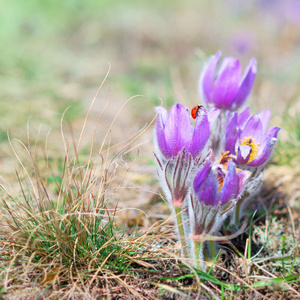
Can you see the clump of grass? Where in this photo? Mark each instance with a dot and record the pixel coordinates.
(73, 227)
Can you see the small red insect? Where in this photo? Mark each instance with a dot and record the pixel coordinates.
(195, 110)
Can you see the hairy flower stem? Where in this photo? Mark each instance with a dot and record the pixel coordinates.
(237, 214)
(212, 249)
(181, 231)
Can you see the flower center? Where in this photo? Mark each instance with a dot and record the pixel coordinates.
(250, 141)
(223, 160)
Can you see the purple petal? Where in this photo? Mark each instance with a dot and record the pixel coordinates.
(230, 185)
(243, 154)
(265, 155)
(208, 191)
(272, 133)
(253, 128)
(212, 115)
(243, 117)
(267, 148)
(201, 134)
(242, 178)
(201, 175)
(178, 128)
(162, 115)
(245, 85)
(207, 77)
(265, 117)
(231, 134)
(227, 83)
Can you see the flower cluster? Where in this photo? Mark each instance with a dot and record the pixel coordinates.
(209, 171)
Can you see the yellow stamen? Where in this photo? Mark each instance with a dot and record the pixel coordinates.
(250, 141)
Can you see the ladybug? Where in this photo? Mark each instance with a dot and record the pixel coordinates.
(195, 110)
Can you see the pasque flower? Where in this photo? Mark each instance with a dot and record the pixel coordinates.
(248, 140)
(216, 189)
(227, 90)
(215, 186)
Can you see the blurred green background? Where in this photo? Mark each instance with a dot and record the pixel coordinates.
(55, 53)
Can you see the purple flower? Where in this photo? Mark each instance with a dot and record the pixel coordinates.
(227, 90)
(174, 131)
(243, 41)
(217, 188)
(181, 149)
(248, 139)
(213, 185)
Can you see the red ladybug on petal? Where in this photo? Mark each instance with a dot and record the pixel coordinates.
(194, 111)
